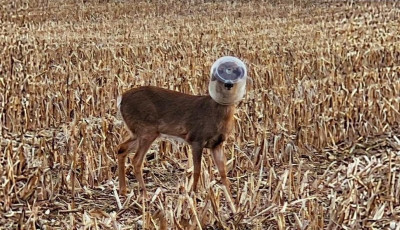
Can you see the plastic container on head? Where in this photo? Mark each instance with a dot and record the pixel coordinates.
(228, 80)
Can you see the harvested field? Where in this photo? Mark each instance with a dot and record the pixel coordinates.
(317, 139)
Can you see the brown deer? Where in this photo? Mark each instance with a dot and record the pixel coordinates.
(149, 112)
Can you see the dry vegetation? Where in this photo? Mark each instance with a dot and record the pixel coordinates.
(317, 140)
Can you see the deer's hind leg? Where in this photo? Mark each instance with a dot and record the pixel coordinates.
(128, 146)
(145, 142)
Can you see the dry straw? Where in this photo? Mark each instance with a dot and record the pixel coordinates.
(317, 140)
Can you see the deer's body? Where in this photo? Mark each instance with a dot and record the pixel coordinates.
(149, 112)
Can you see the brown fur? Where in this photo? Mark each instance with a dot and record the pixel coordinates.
(150, 111)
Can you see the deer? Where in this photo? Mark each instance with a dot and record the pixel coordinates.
(203, 122)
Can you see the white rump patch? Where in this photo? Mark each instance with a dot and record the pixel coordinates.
(119, 115)
(119, 99)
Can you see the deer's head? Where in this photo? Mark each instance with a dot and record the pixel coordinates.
(228, 80)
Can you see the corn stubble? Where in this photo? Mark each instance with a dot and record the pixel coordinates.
(317, 140)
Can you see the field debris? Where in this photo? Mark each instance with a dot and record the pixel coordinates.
(316, 143)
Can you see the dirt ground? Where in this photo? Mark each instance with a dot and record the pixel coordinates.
(316, 143)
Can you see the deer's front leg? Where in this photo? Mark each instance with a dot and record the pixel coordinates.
(220, 161)
(197, 151)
